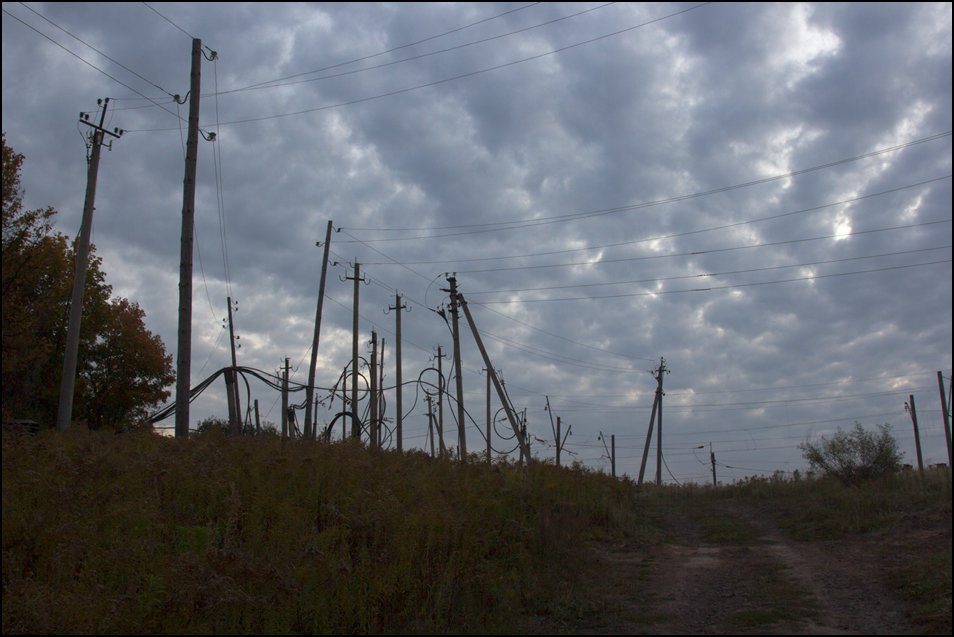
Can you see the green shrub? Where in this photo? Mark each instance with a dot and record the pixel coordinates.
(855, 456)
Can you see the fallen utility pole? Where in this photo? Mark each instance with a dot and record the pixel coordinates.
(68, 380)
(311, 428)
(524, 447)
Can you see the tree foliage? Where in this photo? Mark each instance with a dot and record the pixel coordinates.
(856, 455)
(122, 368)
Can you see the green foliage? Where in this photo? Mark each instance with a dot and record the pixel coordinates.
(122, 369)
(855, 456)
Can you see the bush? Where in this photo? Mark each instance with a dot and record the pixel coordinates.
(855, 456)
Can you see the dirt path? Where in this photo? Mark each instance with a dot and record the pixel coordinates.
(763, 583)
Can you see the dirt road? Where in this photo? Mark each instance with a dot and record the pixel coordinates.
(753, 580)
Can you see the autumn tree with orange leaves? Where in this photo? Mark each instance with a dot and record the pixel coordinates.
(123, 369)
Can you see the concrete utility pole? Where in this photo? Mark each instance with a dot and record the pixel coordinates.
(946, 414)
(64, 414)
(312, 431)
(397, 307)
(355, 424)
(917, 436)
(461, 431)
(184, 351)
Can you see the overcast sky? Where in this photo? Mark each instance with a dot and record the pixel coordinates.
(759, 194)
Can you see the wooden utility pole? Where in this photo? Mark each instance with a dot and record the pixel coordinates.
(488, 414)
(397, 307)
(521, 437)
(613, 453)
(311, 428)
(430, 423)
(440, 401)
(285, 400)
(461, 430)
(649, 436)
(917, 436)
(659, 379)
(235, 423)
(64, 414)
(258, 423)
(355, 424)
(184, 351)
(373, 404)
(945, 413)
(712, 460)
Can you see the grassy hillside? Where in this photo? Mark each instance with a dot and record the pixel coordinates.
(138, 533)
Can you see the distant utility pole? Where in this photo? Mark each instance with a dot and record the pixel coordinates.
(659, 393)
(236, 424)
(917, 436)
(461, 431)
(184, 351)
(355, 424)
(440, 400)
(656, 412)
(285, 401)
(397, 307)
(68, 380)
(373, 393)
(311, 429)
(946, 414)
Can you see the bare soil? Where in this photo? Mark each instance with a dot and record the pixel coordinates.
(766, 584)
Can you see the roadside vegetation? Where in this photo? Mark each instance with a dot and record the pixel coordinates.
(139, 533)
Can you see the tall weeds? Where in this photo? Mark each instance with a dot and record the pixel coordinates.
(139, 533)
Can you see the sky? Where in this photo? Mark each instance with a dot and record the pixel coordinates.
(756, 196)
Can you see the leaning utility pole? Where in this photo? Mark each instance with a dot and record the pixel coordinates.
(311, 432)
(649, 437)
(397, 307)
(184, 351)
(68, 380)
(521, 438)
(461, 432)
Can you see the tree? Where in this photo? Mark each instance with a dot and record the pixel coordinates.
(855, 456)
(122, 368)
